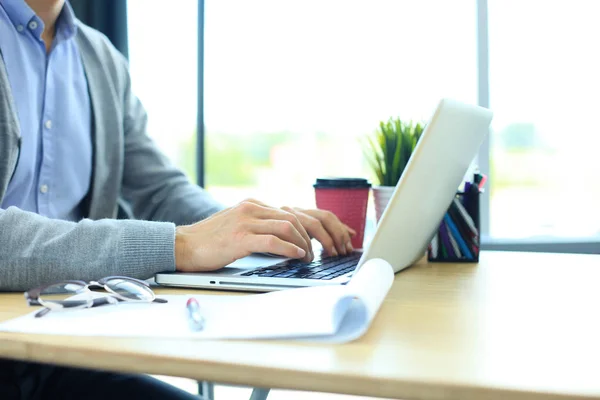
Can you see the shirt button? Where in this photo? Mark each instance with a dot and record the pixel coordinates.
(33, 25)
(20, 28)
(48, 124)
(44, 188)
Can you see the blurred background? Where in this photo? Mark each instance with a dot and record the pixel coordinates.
(288, 87)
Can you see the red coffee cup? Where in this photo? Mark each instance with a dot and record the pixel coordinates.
(347, 198)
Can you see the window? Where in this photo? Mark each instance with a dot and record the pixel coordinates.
(544, 85)
(163, 54)
(291, 86)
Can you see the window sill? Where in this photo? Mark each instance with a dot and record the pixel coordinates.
(584, 245)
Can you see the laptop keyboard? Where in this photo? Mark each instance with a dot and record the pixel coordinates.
(322, 267)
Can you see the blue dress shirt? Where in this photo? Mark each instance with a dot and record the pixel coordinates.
(53, 106)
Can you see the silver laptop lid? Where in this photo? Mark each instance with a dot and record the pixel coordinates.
(429, 182)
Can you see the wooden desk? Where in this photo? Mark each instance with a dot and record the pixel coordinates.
(515, 326)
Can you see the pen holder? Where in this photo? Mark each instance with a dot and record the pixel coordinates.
(458, 236)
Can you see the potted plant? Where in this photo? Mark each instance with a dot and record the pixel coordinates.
(387, 151)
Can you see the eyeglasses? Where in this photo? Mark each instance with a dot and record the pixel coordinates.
(59, 295)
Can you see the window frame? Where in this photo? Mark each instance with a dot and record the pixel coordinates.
(200, 134)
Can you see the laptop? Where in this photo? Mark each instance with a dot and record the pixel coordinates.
(422, 196)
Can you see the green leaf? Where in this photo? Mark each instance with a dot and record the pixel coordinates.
(389, 148)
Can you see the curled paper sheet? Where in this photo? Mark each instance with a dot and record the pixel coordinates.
(336, 313)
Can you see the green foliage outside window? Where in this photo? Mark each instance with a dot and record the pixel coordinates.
(233, 160)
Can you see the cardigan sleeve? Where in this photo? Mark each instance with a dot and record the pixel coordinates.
(37, 250)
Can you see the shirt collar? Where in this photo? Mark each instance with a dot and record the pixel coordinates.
(21, 14)
(66, 25)
(18, 11)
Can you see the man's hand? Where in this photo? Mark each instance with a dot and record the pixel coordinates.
(253, 227)
(324, 226)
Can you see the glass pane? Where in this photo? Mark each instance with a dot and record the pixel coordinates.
(290, 86)
(544, 85)
(163, 54)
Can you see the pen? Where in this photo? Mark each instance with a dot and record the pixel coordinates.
(195, 318)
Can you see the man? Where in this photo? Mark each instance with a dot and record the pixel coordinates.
(73, 155)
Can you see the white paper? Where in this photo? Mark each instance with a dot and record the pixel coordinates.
(325, 313)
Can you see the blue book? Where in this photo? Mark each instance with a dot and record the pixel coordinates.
(464, 249)
(444, 234)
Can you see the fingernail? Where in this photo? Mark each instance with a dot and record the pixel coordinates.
(349, 247)
(334, 252)
(301, 253)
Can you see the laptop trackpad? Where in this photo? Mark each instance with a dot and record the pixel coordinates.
(251, 262)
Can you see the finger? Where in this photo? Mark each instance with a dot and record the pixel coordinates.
(253, 208)
(272, 244)
(304, 232)
(315, 229)
(350, 230)
(335, 228)
(283, 229)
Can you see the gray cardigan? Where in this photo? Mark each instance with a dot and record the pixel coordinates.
(128, 171)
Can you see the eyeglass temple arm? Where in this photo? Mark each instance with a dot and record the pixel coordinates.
(102, 301)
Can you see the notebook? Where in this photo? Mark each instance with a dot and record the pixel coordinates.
(333, 314)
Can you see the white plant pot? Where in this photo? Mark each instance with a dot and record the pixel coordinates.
(381, 196)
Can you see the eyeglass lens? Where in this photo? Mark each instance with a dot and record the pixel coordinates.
(58, 294)
(130, 289)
